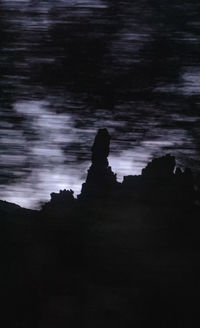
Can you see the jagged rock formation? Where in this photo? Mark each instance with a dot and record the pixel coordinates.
(101, 182)
(159, 183)
(125, 263)
(61, 201)
(160, 168)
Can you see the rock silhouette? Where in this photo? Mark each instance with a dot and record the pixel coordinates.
(61, 201)
(101, 182)
(160, 182)
(121, 254)
(160, 168)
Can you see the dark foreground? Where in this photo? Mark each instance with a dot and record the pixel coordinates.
(122, 254)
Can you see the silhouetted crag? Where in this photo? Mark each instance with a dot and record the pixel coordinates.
(101, 181)
(60, 202)
(122, 254)
(161, 182)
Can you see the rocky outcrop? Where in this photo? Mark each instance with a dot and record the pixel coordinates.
(59, 202)
(122, 263)
(160, 182)
(160, 168)
(101, 182)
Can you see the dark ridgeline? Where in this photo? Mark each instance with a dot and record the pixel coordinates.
(59, 202)
(159, 182)
(121, 254)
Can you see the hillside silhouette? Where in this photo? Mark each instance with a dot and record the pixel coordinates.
(120, 254)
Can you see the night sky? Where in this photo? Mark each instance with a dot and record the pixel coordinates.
(70, 67)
